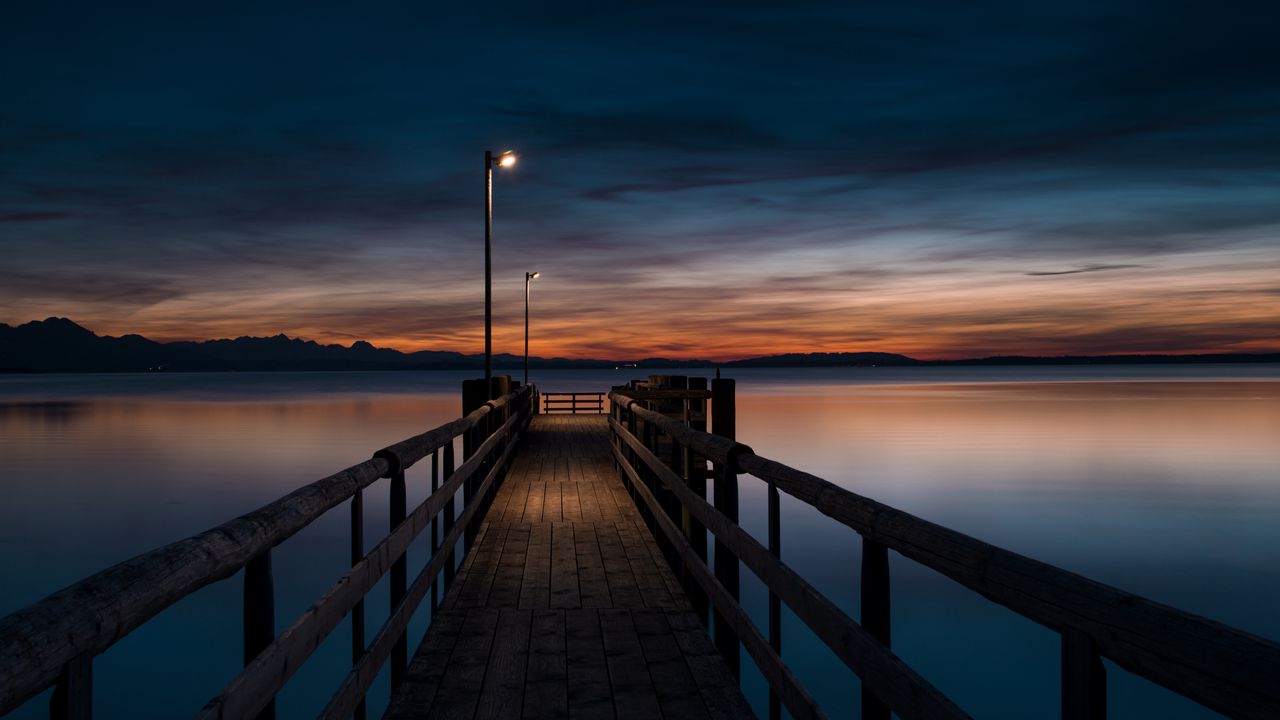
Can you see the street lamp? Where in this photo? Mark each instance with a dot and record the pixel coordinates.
(505, 160)
(528, 278)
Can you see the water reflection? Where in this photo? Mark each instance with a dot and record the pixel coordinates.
(1167, 488)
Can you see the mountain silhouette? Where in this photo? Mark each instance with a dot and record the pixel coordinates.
(60, 345)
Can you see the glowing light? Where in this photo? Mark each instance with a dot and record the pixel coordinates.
(507, 159)
(535, 275)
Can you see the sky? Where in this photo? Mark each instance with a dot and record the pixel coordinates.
(705, 180)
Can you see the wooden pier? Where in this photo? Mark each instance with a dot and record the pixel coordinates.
(587, 566)
(565, 607)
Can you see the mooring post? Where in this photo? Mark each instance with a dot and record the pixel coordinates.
(259, 614)
(724, 423)
(875, 614)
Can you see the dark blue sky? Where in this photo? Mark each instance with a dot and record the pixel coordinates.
(721, 180)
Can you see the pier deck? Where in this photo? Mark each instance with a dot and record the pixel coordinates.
(565, 608)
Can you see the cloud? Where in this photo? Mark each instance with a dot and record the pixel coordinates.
(1086, 269)
(34, 216)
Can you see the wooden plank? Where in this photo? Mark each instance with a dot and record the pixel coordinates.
(535, 586)
(717, 687)
(653, 589)
(587, 497)
(664, 570)
(634, 696)
(564, 568)
(678, 694)
(552, 507)
(593, 584)
(546, 690)
(505, 591)
(504, 676)
(459, 691)
(417, 691)
(623, 587)
(536, 495)
(472, 587)
(570, 497)
(589, 693)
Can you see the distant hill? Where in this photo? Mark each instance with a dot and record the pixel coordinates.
(60, 345)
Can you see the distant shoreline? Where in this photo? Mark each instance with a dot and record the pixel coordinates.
(1068, 361)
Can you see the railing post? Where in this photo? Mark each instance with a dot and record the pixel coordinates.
(259, 614)
(723, 423)
(775, 604)
(646, 475)
(631, 454)
(399, 577)
(435, 528)
(449, 569)
(357, 612)
(695, 474)
(1084, 679)
(73, 695)
(875, 614)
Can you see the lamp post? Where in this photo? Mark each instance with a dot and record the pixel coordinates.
(506, 160)
(528, 278)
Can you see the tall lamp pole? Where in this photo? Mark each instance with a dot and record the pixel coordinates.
(528, 278)
(506, 160)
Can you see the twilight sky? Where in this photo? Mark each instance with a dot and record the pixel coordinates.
(938, 179)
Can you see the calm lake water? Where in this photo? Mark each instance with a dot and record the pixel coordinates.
(1164, 481)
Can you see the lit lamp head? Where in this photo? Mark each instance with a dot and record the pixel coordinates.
(506, 159)
(532, 276)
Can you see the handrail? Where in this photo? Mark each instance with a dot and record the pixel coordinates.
(912, 696)
(82, 620)
(1223, 668)
(245, 695)
(568, 402)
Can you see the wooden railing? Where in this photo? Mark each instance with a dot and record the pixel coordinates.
(54, 641)
(1222, 668)
(573, 403)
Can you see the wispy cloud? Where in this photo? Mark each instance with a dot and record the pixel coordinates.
(694, 182)
(1085, 269)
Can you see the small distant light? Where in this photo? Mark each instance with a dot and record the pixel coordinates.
(535, 276)
(507, 159)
